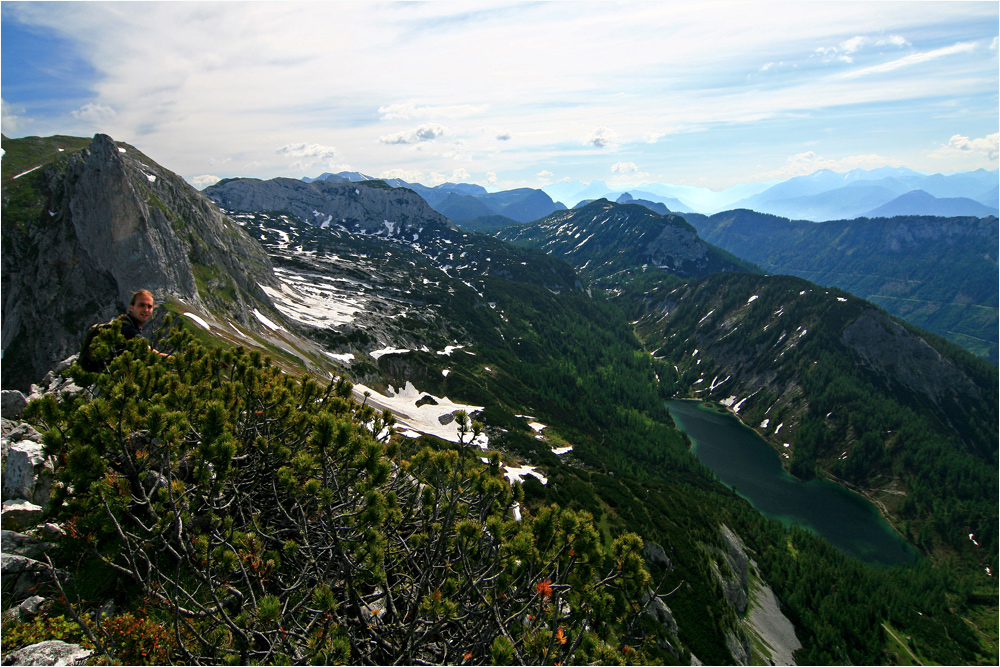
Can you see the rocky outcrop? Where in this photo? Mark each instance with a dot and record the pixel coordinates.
(604, 238)
(365, 207)
(98, 224)
(53, 652)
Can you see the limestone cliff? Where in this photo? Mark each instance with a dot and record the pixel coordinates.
(83, 229)
(369, 207)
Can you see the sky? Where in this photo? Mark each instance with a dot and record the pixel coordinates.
(513, 94)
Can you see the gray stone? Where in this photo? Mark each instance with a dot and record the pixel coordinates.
(655, 554)
(21, 431)
(28, 473)
(22, 576)
(19, 514)
(12, 402)
(53, 652)
(110, 231)
(30, 607)
(22, 545)
(658, 610)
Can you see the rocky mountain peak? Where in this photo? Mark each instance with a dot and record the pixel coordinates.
(93, 226)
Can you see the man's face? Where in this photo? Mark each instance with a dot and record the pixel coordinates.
(142, 309)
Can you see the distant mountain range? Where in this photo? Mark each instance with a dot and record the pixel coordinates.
(822, 195)
(937, 273)
(464, 202)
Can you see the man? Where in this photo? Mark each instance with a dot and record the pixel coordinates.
(140, 310)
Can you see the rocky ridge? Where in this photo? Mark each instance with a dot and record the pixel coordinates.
(101, 223)
(603, 238)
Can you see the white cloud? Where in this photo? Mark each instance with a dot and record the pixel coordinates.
(624, 168)
(802, 164)
(602, 137)
(95, 114)
(408, 110)
(402, 174)
(303, 150)
(987, 146)
(491, 177)
(11, 123)
(425, 132)
(845, 50)
(241, 79)
(627, 172)
(545, 174)
(205, 180)
(912, 59)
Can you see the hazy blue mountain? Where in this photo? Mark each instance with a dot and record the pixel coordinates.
(827, 195)
(466, 201)
(991, 197)
(822, 195)
(919, 202)
(463, 207)
(343, 176)
(655, 206)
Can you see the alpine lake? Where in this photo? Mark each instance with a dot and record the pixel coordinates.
(745, 462)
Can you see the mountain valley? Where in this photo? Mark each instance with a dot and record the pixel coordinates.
(585, 319)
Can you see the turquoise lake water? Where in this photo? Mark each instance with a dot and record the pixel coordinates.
(744, 461)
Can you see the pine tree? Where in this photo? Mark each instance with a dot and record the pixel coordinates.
(262, 518)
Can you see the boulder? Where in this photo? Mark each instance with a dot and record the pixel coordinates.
(52, 652)
(30, 607)
(12, 402)
(655, 554)
(20, 544)
(22, 577)
(658, 610)
(19, 514)
(29, 474)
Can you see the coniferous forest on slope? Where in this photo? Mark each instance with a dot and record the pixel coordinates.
(177, 484)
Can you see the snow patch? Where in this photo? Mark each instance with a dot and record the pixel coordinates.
(28, 172)
(342, 358)
(266, 322)
(197, 320)
(518, 474)
(753, 298)
(425, 418)
(388, 350)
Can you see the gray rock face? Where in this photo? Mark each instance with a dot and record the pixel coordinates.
(52, 652)
(356, 207)
(890, 350)
(11, 403)
(735, 581)
(28, 473)
(20, 544)
(113, 222)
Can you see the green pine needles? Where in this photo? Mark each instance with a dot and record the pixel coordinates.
(260, 518)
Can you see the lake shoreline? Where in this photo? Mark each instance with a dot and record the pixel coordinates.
(867, 494)
(743, 459)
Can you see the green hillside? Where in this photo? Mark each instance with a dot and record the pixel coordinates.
(939, 274)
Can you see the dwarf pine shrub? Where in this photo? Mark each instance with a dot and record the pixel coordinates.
(264, 518)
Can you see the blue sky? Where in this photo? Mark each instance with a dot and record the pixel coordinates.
(513, 94)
